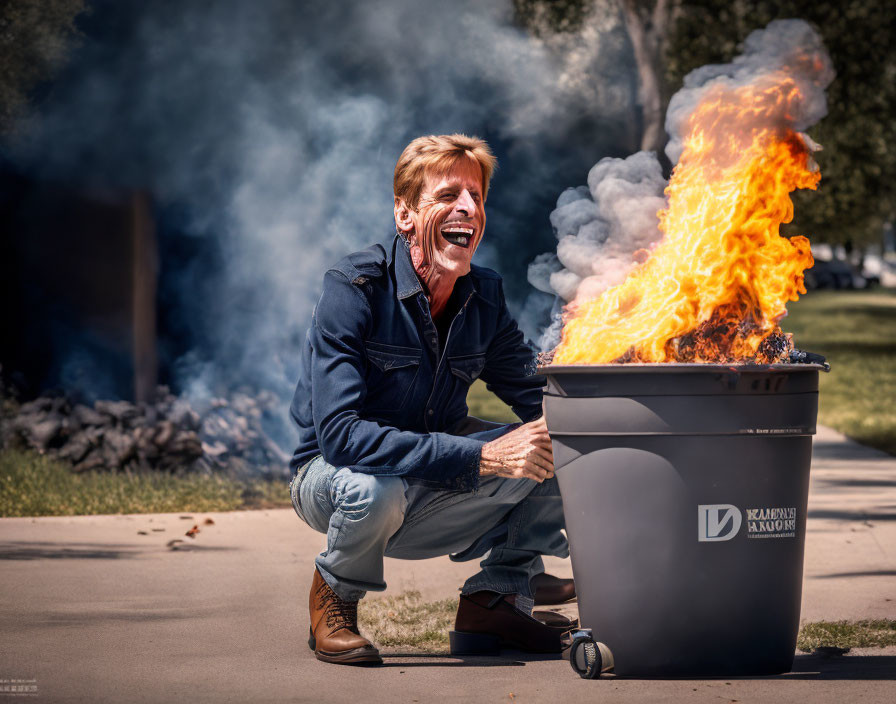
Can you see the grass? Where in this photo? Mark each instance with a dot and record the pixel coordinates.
(856, 331)
(847, 634)
(35, 485)
(406, 621)
(484, 404)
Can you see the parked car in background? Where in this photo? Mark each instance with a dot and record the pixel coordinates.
(879, 271)
(834, 273)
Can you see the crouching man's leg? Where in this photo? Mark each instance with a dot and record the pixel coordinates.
(515, 521)
(358, 513)
(494, 601)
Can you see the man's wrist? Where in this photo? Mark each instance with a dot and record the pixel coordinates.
(487, 466)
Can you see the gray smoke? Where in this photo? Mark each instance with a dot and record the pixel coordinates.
(785, 49)
(603, 227)
(271, 129)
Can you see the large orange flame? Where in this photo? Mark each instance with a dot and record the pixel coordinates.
(716, 285)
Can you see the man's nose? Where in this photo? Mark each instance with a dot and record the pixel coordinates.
(465, 203)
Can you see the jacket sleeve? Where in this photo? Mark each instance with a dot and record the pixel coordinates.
(509, 370)
(338, 330)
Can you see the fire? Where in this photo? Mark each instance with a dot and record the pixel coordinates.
(715, 287)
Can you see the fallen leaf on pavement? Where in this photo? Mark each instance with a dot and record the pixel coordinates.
(192, 532)
(209, 522)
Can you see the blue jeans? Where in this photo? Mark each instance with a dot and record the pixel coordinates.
(367, 517)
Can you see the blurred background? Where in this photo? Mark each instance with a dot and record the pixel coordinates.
(176, 176)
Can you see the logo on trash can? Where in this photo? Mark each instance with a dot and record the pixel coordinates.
(717, 522)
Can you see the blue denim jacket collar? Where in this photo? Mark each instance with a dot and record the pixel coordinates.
(407, 282)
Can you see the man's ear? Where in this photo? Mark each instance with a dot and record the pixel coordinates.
(403, 219)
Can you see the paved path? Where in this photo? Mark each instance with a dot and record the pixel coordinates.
(98, 608)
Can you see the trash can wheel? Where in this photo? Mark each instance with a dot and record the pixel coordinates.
(585, 656)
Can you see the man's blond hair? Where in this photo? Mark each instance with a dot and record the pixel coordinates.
(437, 154)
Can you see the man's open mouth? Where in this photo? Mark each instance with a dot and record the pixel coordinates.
(459, 234)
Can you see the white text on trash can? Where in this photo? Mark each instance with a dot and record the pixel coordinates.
(717, 522)
(772, 522)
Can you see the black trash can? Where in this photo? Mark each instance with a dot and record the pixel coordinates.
(684, 489)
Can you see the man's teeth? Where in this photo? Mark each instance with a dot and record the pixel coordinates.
(463, 234)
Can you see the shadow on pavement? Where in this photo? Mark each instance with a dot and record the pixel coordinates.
(445, 660)
(875, 483)
(846, 451)
(869, 573)
(851, 515)
(846, 667)
(812, 667)
(96, 551)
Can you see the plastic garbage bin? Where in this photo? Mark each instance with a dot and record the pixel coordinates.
(684, 489)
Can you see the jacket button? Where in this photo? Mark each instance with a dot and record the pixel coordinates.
(430, 412)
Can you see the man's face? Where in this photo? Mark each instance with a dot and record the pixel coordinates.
(450, 219)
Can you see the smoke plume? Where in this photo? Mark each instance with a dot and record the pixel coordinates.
(267, 134)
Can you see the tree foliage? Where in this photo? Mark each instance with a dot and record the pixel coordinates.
(858, 164)
(35, 37)
(542, 17)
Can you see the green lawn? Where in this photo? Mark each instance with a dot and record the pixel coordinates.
(34, 485)
(484, 404)
(856, 331)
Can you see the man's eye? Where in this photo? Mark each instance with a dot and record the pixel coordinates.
(446, 197)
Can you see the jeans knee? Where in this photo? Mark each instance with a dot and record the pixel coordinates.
(369, 498)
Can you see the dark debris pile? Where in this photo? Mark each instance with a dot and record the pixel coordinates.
(167, 435)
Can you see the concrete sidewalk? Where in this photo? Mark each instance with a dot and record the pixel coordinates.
(99, 608)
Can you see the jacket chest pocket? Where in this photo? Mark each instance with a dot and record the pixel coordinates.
(390, 376)
(467, 367)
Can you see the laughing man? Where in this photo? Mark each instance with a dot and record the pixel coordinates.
(389, 463)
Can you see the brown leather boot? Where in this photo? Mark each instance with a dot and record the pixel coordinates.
(334, 628)
(487, 621)
(548, 589)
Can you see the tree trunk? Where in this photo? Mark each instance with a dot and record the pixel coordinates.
(143, 301)
(648, 26)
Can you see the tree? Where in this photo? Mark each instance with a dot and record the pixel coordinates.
(858, 165)
(648, 24)
(35, 38)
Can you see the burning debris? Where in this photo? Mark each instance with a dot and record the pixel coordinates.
(706, 280)
(167, 435)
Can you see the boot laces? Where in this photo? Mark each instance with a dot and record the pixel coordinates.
(339, 613)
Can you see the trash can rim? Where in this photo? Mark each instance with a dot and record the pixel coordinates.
(673, 367)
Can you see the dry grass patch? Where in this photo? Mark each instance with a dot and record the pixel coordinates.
(407, 622)
(847, 634)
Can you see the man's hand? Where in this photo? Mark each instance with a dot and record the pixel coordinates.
(524, 453)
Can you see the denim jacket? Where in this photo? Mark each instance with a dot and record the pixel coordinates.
(375, 392)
